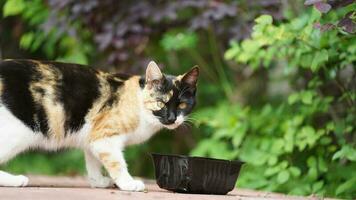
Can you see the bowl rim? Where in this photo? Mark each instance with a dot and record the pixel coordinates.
(199, 158)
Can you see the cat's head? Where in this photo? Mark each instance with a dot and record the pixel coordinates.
(170, 98)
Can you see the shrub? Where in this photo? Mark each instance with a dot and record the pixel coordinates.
(302, 139)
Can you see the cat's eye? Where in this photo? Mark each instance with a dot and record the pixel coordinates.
(182, 105)
(166, 98)
(160, 104)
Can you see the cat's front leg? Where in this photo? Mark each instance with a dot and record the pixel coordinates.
(96, 178)
(109, 152)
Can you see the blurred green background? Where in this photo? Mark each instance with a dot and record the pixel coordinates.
(277, 89)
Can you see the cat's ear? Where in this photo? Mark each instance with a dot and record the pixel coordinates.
(153, 74)
(191, 77)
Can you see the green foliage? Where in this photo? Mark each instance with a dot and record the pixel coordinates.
(13, 7)
(179, 41)
(303, 143)
(63, 163)
(56, 44)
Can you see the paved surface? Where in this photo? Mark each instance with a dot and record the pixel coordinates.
(67, 188)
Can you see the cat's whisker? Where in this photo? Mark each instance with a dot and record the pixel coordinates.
(192, 119)
(184, 127)
(189, 123)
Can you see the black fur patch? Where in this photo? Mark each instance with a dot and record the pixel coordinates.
(167, 84)
(142, 82)
(114, 86)
(123, 76)
(16, 96)
(77, 91)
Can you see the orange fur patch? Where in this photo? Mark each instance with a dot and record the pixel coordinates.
(121, 118)
(113, 167)
(104, 156)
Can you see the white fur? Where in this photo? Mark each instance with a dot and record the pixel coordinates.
(180, 119)
(115, 146)
(93, 165)
(148, 125)
(15, 137)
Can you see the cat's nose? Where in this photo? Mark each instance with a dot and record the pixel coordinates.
(171, 118)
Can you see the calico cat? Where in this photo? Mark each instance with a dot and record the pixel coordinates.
(52, 105)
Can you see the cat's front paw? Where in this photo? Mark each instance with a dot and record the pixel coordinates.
(16, 181)
(22, 180)
(103, 182)
(131, 185)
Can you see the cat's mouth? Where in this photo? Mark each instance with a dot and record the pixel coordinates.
(176, 124)
(172, 126)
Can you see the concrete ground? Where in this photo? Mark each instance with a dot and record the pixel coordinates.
(68, 188)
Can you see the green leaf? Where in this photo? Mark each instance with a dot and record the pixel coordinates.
(272, 170)
(75, 56)
(312, 173)
(317, 186)
(347, 186)
(345, 152)
(222, 133)
(311, 161)
(293, 98)
(26, 40)
(330, 126)
(308, 131)
(283, 176)
(319, 58)
(272, 160)
(264, 19)
(233, 51)
(295, 171)
(13, 7)
(307, 97)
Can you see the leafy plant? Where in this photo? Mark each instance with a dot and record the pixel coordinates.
(347, 22)
(304, 141)
(55, 41)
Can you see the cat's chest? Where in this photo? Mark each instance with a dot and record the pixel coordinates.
(142, 133)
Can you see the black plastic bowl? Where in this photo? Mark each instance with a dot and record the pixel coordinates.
(195, 174)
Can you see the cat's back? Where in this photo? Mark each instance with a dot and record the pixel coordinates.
(45, 95)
